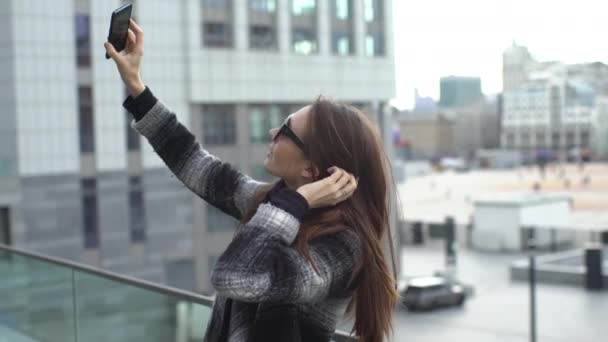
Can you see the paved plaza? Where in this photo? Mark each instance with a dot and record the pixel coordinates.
(499, 308)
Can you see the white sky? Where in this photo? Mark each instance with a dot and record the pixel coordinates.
(435, 38)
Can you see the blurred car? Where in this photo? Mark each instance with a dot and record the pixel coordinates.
(424, 293)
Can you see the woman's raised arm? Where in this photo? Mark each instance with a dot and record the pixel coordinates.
(216, 182)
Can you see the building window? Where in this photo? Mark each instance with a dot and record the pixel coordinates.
(86, 123)
(83, 41)
(342, 27)
(570, 140)
(217, 35)
(90, 213)
(585, 139)
(133, 140)
(540, 139)
(5, 227)
(219, 125)
(263, 24)
(262, 37)
(510, 140)
(304, 26)
(374, 22)
(137, 215)
(217, 23)
(218, 221)
(262, 118)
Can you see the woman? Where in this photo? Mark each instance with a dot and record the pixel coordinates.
(309, 244)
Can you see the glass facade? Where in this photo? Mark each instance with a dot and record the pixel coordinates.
(264, 117)
(219, 125)
(83, 41)
(90, 213)
(304, 27)
(137, 214)
(263, 24)
(218, 23)
(342, 27)
(374, 27)
(87, 124)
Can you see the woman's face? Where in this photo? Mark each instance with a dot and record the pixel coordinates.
(285, 159)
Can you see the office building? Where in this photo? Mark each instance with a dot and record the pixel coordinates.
(76, 181)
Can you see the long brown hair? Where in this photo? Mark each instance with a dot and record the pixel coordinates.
(341, 135)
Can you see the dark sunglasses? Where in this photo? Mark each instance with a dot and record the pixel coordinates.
(285, 130)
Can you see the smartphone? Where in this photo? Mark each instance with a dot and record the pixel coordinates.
(119, 28)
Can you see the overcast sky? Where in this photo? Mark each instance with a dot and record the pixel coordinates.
(435, 38)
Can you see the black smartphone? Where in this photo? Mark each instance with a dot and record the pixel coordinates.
(119, 28)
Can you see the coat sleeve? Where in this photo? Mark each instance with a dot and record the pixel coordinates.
(261, 265)
(218, 183)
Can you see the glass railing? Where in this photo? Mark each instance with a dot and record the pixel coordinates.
(49, 299)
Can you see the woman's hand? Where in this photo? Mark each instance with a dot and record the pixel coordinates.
(129, 63)
(339, 186)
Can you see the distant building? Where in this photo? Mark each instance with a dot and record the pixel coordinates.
(424, 104)
(451, 132)
(456, 91)
(550, 105)
(516, 61)
(600, 128)
(428, 135)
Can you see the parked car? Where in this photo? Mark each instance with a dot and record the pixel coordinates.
(425, 293)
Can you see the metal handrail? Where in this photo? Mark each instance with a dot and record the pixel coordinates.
(339, 336)
(144, 284)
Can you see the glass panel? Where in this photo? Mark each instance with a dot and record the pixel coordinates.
(115, 312)
(217, 3)
(303, 7)
(342, 9)
(83, 45)
(35, 301)
(219, 125)
(257, 127)
(304, 41)
(263, 5)
(262, 37)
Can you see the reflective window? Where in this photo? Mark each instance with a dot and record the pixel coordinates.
(262, 37)
(86, 122)
(217, 25)
(268, 6)
(304, 41)
(303, 7)
(263, 24)
(304, 27)
(342, 9)
(219, 125)
(137, 215)
(342, 26)
(374, 22)
(90, 215)
(83, 42)
(262, 118)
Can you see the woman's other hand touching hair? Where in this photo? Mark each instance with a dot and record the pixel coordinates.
(338, 187)
(129, 62)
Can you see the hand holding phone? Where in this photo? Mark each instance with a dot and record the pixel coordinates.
(129, 63)
(119, 28)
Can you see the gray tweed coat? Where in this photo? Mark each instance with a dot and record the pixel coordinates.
(266, 290)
